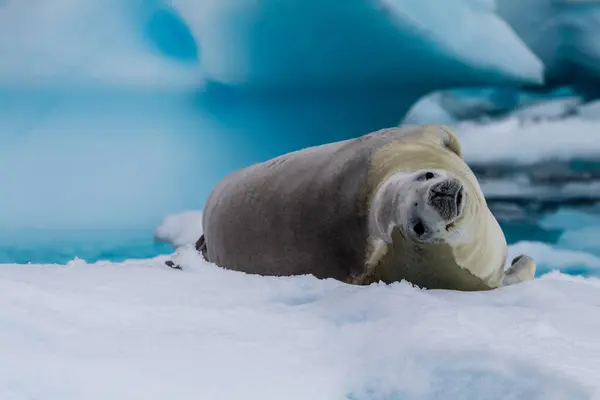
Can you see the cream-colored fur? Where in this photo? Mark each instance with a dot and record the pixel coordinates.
(477, 242)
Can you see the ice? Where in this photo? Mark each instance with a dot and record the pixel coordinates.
(180, 229)
(590, 111)
(529, 143)
(140, 102)
(141, 330)
(581, 230)
(583, 239)
(563, 34)
(485, 103)
(524, 188)
(548, 258)
(549, 109)
(259, 43)
(294, 44)
(570, 219)
(428, 110)
(114, 43)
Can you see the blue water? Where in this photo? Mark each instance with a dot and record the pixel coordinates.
(91, 246)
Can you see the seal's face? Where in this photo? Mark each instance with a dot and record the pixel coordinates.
(433, 203)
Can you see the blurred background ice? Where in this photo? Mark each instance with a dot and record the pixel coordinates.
(116, 114)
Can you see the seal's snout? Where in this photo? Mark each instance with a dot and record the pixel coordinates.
(447, 198)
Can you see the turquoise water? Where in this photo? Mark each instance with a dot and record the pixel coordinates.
(40, 247)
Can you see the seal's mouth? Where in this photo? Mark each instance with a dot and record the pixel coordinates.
(419, 228)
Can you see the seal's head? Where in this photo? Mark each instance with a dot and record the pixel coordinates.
(427, 205)
(434, 203)
(429, 222)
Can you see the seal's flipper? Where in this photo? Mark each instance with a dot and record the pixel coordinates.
(201, 247)
(522, 269)
(171, 264)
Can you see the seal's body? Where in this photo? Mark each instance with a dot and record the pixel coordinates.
(395, 204)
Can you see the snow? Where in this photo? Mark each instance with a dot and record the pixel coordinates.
(180, 229)
(139, 329)
(107, 125)
(549, 109)
(524, 188)
(481, 103)
(520, 142)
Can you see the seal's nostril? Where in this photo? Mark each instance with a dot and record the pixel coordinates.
(459, 199)
(419, 228)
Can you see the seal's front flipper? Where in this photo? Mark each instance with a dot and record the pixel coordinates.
(171, 264)
(522, 269)
(201, 247)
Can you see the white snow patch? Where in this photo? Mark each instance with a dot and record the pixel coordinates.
(510, 140)
(549, 109)
(522, 188)
(180, 229)
(141, 330)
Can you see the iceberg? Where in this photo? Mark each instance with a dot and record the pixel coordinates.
(357, 43)
(563, 34)
(486, 103)
(117, 113)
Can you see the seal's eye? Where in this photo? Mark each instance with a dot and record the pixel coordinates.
(419, 228)
(428, 176)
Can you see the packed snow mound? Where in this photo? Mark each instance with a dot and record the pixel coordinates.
(140, 329)
(517, 140)
(180, 229)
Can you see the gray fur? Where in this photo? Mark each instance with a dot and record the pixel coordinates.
(301, 213)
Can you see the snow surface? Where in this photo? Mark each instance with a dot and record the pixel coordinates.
(139, 329)
(515, 140)
(180, 229)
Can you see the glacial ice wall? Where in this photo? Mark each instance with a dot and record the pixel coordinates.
(117, 113)
(562, 33)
